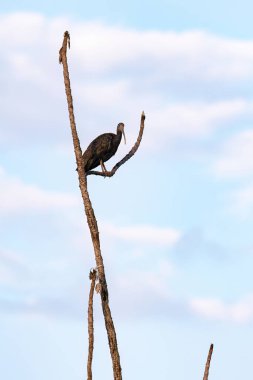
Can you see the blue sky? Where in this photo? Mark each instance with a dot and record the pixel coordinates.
(225, 18)
(175, 221)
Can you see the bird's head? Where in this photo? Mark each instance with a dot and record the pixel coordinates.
(120, 129)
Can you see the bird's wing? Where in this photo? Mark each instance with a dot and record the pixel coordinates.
(103, 143)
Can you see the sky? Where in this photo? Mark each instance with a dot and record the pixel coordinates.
(175, 221)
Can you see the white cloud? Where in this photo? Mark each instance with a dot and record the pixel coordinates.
(190, 84)
(116, 73)
(196, 120)
(17, 197)
(145, 292)
(144, 234)
(25, 36)
(216, 309)
(55, 278)
(194, 53)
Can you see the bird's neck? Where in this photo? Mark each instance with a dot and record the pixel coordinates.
(119, 135)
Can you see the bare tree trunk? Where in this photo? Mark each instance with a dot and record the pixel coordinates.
(92, 223)
(208, 361)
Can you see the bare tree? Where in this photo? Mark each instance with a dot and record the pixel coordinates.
(91, 220)
(98, 274)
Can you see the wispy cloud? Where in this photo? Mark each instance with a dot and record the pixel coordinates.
(190, 84)
(216, 309)
(144, 234)
(37, 293)
(17, 196)
(180, 79)
(52, 284)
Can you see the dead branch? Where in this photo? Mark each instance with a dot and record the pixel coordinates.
(91, 219)
(92, 276)
(208, 361)
(127, 157)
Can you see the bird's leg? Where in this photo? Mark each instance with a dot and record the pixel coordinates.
(101, 164)
(103, 167)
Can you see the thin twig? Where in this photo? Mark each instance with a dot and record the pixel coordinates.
(92, 276)
(91, 219)
(208, 361)
(127, 157)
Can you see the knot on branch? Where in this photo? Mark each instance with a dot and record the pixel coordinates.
(93, 274)
(99, 283)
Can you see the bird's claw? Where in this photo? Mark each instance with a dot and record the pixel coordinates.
(105, 173)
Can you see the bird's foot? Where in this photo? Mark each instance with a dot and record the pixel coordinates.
(106, 173)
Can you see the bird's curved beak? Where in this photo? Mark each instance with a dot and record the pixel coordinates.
(124, 136)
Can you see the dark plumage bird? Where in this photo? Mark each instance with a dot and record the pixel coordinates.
(102, 149)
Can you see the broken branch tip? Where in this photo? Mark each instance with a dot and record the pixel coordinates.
(67, 36)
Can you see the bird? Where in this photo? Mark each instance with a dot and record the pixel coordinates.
(102, 148)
